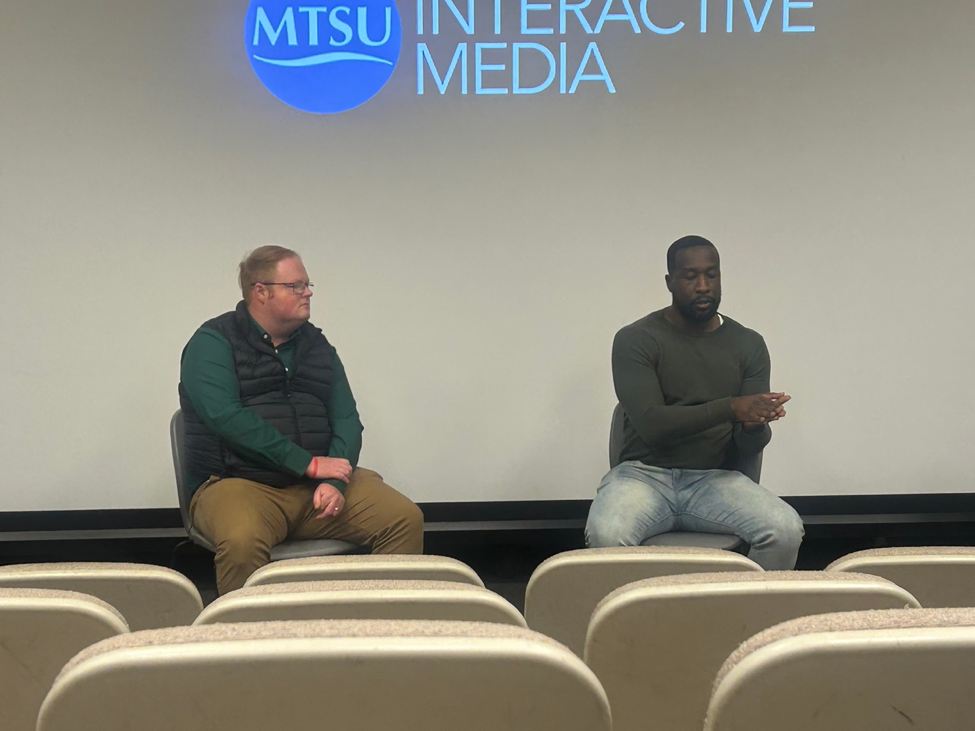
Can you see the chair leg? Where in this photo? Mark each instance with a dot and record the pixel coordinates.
(175, 551)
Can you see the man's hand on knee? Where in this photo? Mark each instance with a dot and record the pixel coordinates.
(329, 500)
(329, 468)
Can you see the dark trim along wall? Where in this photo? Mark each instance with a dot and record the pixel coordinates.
(825, 510)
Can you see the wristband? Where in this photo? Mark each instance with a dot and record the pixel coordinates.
(313, 466)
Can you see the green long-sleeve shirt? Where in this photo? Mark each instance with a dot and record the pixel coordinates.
(676, 389)
(208, 374)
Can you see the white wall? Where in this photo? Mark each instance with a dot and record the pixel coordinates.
(475, 255)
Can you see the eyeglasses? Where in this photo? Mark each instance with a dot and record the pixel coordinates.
(296, 287)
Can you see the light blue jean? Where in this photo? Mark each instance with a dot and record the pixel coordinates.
(636, 501)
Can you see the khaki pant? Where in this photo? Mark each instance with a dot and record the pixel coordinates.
(245, 519)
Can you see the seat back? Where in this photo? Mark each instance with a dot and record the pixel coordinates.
(40, 631)
(351, 568)
(656, 645)
(750, 466)
(435, 600)
(147, 596)
(177, 432)
(616, 436)
(563, 591)
(939, 576)
(897, 669)
(306, 676)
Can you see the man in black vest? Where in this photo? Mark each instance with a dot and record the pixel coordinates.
(272, 431)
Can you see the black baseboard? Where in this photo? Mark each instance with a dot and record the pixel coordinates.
(534, 514)
(74, 520)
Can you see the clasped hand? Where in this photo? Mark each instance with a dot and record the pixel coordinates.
(759, 409)
(327, 498)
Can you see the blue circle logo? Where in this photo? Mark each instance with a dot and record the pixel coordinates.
(323, 59)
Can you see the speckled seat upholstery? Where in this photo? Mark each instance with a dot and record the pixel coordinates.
(436, 600)
(313, 675)
(351, 568)
(939, 576)
(147, 596)
(886, 670)
(40, 631)
(657, 644)
(564, 590)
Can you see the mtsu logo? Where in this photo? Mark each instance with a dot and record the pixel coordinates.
(323, 59)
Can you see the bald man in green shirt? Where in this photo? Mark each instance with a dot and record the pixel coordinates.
(273, 434)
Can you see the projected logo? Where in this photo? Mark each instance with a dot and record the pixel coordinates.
(323, 59)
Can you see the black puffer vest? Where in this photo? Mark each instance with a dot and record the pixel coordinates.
(297, 407)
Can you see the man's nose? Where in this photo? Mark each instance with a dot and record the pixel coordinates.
(703, 284)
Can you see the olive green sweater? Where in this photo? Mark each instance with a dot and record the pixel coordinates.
(676, 389)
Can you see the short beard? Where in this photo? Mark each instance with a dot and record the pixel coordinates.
(692, 315)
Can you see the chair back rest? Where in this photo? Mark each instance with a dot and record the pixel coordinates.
(353, 568)
(896, 669)
(40, 631)
(656, 645)
(616, 436)
(305, 676)
(433, 600)
(939, 576)
(563, 591)
(147, 596)
(177, 432)
(750, 467)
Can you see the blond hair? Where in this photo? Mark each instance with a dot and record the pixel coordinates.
(261, 265)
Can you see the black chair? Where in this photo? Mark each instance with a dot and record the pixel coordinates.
(750, 467)
(288, 549)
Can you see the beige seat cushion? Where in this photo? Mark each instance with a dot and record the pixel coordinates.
(895, 669)
(309, 675)
(657, 644)
(564, 590)
(40, 631)
(147, 596)
(390, 599)
(376, 566)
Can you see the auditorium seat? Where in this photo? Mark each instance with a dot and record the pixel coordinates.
(657, 644)
(40, 631)
(436, 600)
(857, 671)
(147, 596)
(184, 494)
(939, 576)
(313, 675)
(563, 591)
(375, 566)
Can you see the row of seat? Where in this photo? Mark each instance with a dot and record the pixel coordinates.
(154, 597)
(636, 641)
(565, 589)
(560, 597)
(839, 671)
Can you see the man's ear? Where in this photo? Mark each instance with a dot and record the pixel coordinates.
(667, 282)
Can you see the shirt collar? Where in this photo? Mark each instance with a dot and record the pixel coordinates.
(267, 338)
